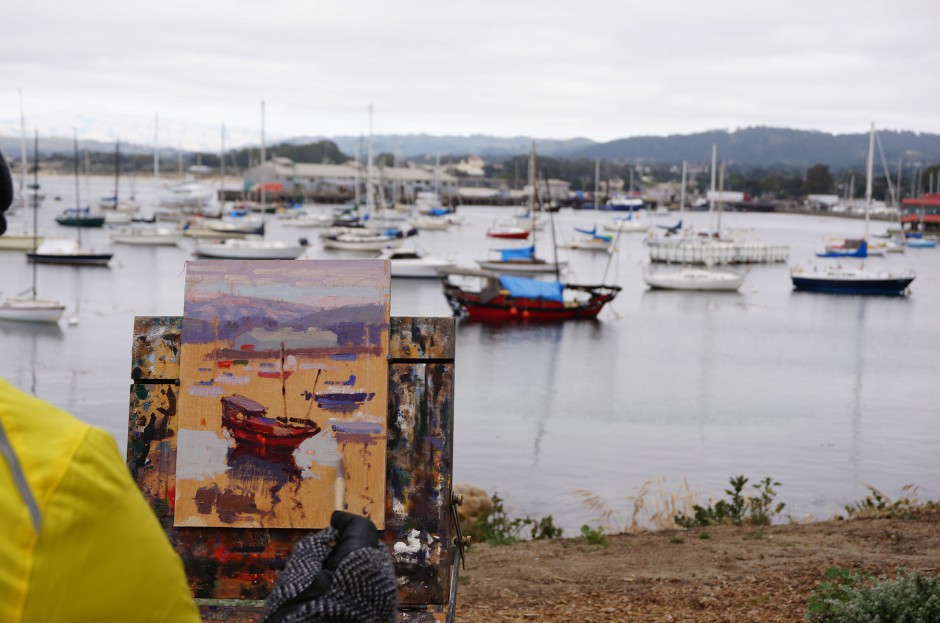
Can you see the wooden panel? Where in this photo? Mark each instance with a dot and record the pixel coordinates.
(421, 338)
(156, 350)
(420, 455)
(242, 563)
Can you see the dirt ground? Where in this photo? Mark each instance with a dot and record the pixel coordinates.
(735, 574)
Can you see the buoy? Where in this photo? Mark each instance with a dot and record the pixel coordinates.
(513, 311)
(525, 313)
(72, 321)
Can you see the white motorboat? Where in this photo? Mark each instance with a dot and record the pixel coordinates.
(693, 279)
(68, 251)
(147, 236)
(414, 262)
(249, 249)
(360, 239)
(186, 195)
(305, 218)
(632, 223)
(431, 223)
(30, 309)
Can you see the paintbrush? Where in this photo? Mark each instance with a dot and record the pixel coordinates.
(339, 492)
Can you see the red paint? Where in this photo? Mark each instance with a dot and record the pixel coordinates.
(248, 347)
(275, 375)
(224, 364)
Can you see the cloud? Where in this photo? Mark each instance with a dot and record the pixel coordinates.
(548, 69)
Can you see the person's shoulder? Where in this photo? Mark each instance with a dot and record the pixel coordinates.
(30, 416)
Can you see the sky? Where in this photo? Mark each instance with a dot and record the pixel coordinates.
(544, 68)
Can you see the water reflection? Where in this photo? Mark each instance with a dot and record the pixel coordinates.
(28, 340)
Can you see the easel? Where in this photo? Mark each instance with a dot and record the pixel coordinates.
(232, 570)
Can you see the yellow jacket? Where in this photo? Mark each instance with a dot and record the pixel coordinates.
(99, 554)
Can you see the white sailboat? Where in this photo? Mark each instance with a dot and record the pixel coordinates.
(693, 279)
(26, 198)
(251, 248)
(368, 237)
(415, 262)
(26, 306)
(850, 280)
(523, 260)
(591, 240)
(68, 250)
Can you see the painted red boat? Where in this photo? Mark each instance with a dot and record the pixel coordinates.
(503, 298)
(249, 424)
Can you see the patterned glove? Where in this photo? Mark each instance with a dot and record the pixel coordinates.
(341, 573)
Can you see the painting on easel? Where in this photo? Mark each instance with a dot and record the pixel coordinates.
(284, 382)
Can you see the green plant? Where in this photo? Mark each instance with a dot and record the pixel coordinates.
(594, 536)
(704, 536)
(739, 508)
(847, 597)
(676, 540)
(499, 528)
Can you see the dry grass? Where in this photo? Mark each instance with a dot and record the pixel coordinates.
(652, 507)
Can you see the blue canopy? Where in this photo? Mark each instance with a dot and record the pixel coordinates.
(439, 212)
(523, 287)
(516, 254)
(860, 251)
(594, 235)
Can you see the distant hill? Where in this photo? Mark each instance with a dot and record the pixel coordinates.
(758, 147)
(424, 145)
(762, 147)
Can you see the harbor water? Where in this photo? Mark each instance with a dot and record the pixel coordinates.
(825, 393)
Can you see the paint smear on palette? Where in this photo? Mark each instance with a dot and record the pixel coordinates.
(284, 382)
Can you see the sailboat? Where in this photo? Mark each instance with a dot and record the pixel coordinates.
(252, 248)
(590, 240)
(842, 280)
(523, 260)
(67, 250)
(689, 278)
(26, 306)
(117, 209)
(367, 235)
(26, 198)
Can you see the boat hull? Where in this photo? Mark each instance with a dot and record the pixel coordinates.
(506, 309)
(701, 281)
(90, 259)
(19, 243)
(892, 286)
(521, 268)
(31, 311)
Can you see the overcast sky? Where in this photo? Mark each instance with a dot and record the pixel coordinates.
(542, 68)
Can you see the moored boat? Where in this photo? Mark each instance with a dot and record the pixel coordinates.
(30, 309)
(414, 262)
(503, 298)
(693, 279)
(249, 249)
(248, 423)
(839, 280)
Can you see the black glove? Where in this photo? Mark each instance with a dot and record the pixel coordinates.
(6, 192)
(341, 573)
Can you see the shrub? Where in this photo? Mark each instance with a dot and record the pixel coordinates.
(877, 504)
(499, 528)
(848, 597)
(594, 536)
(738, 509)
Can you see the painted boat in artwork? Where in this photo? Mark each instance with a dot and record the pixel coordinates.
(249, 424)
(503, 298)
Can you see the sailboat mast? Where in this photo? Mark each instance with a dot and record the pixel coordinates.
(711, 200)
(222, 163)
(35, 203)
(868, 176)
(534, 179)
(370, 198)
(156, 146)
(597, 186)
(117, 170)
(721, 194)
(25, 171)
(682, 190)
(263, 197)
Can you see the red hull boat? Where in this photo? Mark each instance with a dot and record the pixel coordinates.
(499, 300)
(248, 423)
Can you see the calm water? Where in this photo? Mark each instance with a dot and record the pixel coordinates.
(824, 393)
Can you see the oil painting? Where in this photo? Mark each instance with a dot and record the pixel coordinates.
(283, 397)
